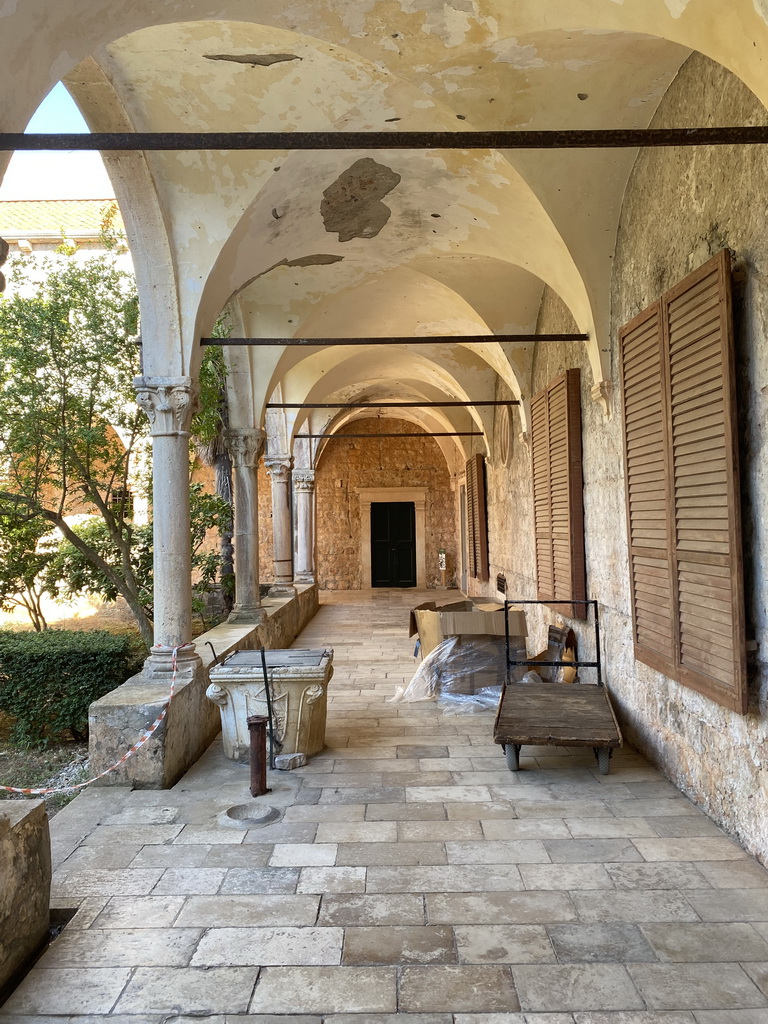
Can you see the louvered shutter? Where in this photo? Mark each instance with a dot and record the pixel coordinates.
(477, 522)
(705, 497)
(557, 493)
(646, 445)
(682, 487)
(542, 515)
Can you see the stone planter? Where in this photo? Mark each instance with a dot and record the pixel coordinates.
(298, 684)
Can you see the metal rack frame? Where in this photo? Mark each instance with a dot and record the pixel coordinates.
(597, 664)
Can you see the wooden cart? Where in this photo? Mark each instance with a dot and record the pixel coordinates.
(557, 714)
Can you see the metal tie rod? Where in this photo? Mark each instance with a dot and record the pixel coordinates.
(458, 433)
(387, 405)
(450, 339)
(612, 138)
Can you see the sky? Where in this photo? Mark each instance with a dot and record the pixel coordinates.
(56, 175)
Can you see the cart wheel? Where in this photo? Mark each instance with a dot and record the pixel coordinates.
(512, 754)
(603, 755)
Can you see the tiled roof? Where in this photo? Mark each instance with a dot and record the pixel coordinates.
(71, 218)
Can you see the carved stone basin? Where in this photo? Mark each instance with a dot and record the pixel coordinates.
(298, 681)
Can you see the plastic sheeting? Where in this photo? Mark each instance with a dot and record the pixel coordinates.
(464, 674)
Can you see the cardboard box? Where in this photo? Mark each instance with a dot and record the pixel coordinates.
(472, 617)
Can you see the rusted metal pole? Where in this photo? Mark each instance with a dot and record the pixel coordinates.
(257, 729)
(570, 138)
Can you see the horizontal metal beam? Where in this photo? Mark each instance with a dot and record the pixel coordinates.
(386, 405)
(372, 437)
(612, 138)
(449, 339)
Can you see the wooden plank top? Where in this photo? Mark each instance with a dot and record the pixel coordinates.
(556, 713)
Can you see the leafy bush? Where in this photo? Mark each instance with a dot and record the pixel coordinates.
(48, 680)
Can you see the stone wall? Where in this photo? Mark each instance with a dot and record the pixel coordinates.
(25, 884)
(345, 466)
(681, 206)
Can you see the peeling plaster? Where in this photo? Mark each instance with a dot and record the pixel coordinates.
(761, 6)
(352, 205)
(264, 60)
(523, 57)
(577, 65)
(676, 7)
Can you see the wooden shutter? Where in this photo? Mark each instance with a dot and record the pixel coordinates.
(681, 444)
(558, 493)
(646, 446)
(477, 522)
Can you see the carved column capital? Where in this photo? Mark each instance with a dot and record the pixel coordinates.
(602, 394)
(169, 403)
(245, 445)
(304, 480)
(278, 467)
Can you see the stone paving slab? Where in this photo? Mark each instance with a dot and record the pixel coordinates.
(325, 990)
(409, 877)
(191, 990)
(457, 989)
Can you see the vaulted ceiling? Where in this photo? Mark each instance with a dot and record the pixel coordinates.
(358, 244)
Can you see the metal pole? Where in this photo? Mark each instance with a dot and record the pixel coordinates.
(458, 433)
(506, 638)
(597, 645)
(257, 729)
(450, 339)
(611, 138)
(270, 716)
(387, 405)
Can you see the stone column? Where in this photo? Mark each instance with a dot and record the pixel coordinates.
(169, 403)
(245, 446)
(304, 489)
(279, 469)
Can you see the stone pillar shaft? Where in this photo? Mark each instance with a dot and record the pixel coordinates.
(304, 489)
(245, 445)
(169, 404)
(279, 467)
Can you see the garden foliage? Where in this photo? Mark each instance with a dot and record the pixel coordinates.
(48, 680)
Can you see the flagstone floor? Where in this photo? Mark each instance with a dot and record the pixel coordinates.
(410, 876)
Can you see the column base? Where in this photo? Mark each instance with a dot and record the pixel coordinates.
(304, 577)
(282, 590)
(158, 667)
(247, 616)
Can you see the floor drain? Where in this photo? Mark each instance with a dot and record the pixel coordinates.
(252, 814)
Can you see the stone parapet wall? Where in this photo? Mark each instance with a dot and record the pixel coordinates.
(117, 719)
(25, 883)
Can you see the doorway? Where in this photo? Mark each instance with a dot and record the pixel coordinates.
(393, 544)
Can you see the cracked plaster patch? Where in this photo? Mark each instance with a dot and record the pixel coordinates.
(451, 23)
(352, 205)
(262, 60)
(320, 259)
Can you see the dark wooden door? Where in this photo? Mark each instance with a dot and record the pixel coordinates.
(393, 544)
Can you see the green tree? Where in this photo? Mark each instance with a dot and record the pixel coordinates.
(208, 428)
(71, 571)
(69, 424)
(26, 551)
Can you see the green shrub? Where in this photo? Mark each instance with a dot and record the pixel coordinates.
(49, 679)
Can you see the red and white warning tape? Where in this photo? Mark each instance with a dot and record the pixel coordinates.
(144, 735)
